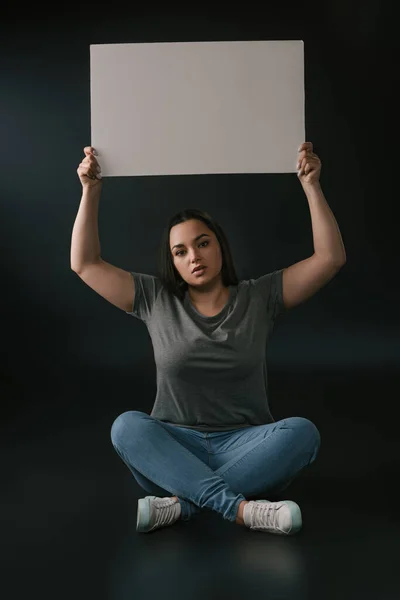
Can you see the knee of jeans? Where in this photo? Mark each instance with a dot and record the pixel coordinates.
(309, 430)
(124, 425)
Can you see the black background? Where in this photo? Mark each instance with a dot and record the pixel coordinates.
(71, 362)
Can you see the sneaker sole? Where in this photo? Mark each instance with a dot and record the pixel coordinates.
(297, 520)
(143, 514)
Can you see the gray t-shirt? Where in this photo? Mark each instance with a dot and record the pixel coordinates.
(211, 371)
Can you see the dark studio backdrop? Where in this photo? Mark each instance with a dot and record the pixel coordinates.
(70, 360)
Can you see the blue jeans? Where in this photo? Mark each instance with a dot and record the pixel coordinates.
(213, 470)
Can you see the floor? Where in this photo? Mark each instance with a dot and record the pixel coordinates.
(69, 515)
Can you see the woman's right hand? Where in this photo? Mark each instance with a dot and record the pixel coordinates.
(89, 171)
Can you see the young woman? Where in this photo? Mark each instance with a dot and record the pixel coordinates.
(210, 441)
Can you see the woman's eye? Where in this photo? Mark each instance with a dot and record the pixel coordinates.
(180, 251)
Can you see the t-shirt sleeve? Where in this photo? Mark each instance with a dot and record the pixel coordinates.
(147, 288)
(269, 287)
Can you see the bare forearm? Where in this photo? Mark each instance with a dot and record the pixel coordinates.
(327, 238)
(85, 243)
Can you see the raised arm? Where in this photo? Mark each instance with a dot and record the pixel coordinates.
(112, 283)
(303, 279)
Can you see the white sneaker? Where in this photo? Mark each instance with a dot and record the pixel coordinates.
(282, 517)
(156, 512)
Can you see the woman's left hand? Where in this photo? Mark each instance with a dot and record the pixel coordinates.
(308, 165)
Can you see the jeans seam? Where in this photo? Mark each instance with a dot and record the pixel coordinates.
(208, 449)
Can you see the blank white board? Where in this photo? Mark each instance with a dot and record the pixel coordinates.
(197, 107)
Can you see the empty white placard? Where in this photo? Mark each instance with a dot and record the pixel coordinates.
(197, 107)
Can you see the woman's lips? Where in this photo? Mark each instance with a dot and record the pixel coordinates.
(199, 272)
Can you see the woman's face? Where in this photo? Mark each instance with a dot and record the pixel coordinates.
(193, 244)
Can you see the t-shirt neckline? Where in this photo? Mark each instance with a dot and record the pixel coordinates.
(216, 317)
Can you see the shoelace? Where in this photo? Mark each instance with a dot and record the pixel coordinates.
(165, 511)
(265, 515)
